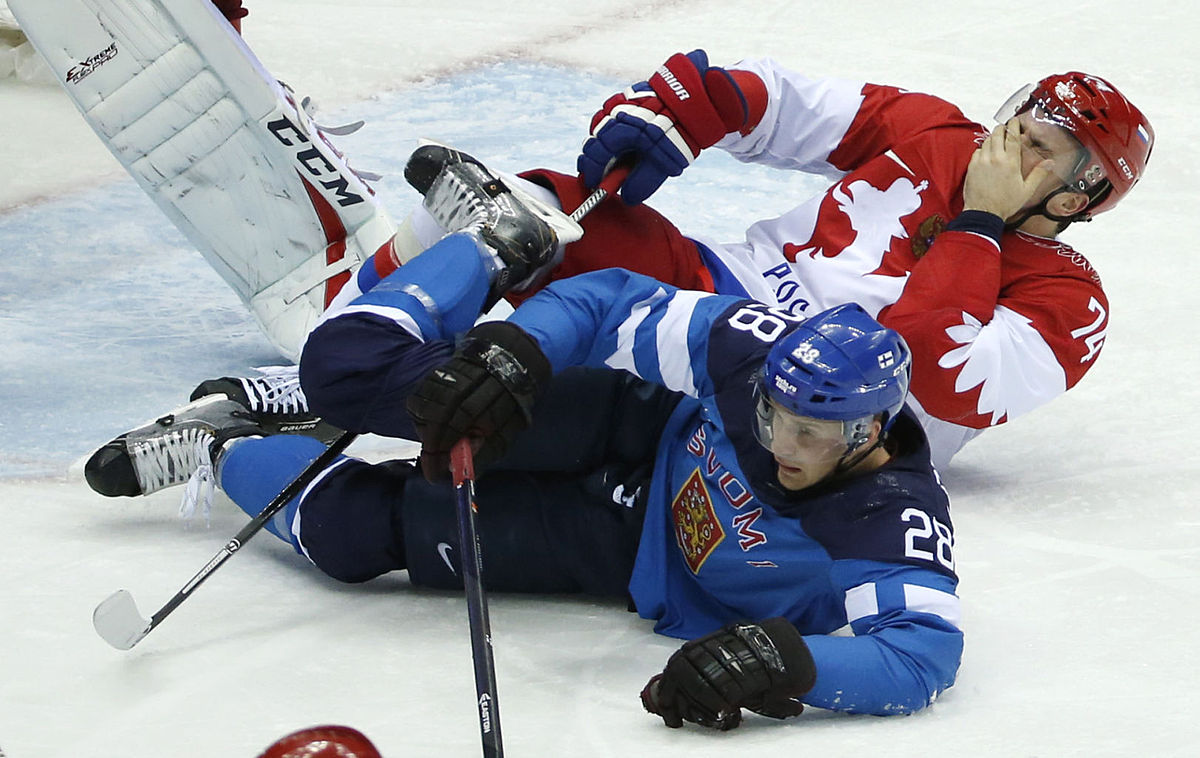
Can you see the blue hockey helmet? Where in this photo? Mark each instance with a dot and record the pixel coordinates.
(839, 365)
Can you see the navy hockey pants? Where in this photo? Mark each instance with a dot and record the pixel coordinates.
(560, 513)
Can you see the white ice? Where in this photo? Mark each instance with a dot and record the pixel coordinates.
(1078, 527)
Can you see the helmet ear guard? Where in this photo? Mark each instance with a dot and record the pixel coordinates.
(858, 432)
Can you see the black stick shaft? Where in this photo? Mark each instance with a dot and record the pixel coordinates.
(462, 469)
(295, 487)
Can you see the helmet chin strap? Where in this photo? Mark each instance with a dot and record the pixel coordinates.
(1041, 210)
(856, 455)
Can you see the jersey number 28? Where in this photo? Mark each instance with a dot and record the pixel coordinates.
(928, 533)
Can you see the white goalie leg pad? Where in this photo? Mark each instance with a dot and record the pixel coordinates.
(222, 148)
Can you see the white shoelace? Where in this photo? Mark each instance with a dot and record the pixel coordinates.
(178, 456)
(454, 205)
(276, 391)
(199, 493)
(201, 487)
(170, 458)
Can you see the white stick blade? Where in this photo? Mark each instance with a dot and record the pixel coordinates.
(117, 621)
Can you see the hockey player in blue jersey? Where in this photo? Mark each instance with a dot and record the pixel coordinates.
(749, 480)
(788, 485)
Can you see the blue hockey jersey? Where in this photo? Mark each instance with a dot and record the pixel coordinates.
(864, 566)
(869, 558)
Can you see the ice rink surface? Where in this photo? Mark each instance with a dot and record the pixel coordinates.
(1078, 526)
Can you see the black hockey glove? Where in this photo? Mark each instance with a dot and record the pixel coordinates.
(485, 392)
(762, 667)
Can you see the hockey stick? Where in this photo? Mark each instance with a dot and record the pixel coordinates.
(117, 619)
(608, 184)
(462, 470)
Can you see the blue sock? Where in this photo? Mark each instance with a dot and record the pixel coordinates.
(253, 471)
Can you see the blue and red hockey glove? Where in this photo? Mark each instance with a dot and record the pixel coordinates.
(664, 123)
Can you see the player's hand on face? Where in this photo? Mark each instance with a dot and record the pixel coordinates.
(995, 180)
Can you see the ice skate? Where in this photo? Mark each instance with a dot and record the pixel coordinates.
(463, 195)
(169, 450)
(276, 399)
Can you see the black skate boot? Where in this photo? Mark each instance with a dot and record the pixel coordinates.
(276, 399)
(168, 450)
(463, 195)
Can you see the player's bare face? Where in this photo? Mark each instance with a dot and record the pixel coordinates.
(806, 450)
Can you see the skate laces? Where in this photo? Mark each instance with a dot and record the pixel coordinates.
(456, 204)
(170, 458)
(199, 493)
(277, 390)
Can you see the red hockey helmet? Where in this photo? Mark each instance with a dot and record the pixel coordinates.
(1117, 137)
(330, 741)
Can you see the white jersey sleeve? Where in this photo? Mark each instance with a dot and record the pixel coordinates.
(804, 122)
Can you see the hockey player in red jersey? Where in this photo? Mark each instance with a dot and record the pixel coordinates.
(945, 232)
(942, 230)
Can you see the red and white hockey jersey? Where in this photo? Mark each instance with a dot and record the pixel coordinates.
(994, 332)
